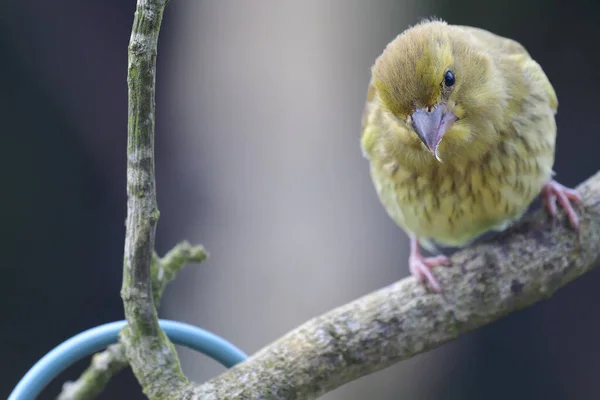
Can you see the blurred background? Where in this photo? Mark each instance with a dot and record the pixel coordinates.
(258, 124)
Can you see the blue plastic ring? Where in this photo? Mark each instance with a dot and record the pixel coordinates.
(96, 339)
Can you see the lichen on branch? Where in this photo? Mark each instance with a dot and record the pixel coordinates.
(149, 352)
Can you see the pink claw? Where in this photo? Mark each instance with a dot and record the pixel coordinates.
(554, 192)
(420, 267)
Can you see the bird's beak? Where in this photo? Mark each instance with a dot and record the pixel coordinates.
(431, 125)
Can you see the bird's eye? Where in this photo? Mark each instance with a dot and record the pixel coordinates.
(449, 79)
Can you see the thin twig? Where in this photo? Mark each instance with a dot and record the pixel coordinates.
(111, 361)
(94, 379)
(167, 267)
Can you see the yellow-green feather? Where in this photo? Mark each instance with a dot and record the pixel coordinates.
(494, 164)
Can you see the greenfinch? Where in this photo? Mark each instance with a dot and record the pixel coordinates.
(459, 130)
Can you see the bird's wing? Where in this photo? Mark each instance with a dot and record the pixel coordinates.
(370, 98)
(496, 42)
(367, 130)
(537, 79)
(509, 48)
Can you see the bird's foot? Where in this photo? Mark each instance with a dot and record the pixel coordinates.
(553, 193)
(420, 267)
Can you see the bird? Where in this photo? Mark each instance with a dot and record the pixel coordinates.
(459, 132)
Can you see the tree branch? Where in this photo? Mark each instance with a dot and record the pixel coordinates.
(94, 379)
(150, 353)
(166, 268)
(486, 282)
(111, 361)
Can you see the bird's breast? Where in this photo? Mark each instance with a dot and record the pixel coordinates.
(452, 203)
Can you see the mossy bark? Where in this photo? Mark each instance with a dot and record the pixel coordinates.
(151, 355)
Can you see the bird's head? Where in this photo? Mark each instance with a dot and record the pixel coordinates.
(438, 81)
